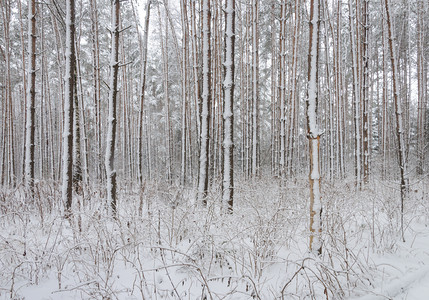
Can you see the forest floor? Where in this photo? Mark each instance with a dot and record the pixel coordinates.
(163, 245)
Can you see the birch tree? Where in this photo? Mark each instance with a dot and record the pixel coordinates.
(31, 97)
(228, 114)
(203, 178)
(313, 132)
(112, 121)
(68, 106)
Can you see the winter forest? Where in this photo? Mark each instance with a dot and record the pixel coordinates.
(214, 149)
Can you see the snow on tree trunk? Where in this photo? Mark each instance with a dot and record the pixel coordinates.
(356, 90)
(142, 91)
(294, 107)
(30, 126)
(313, 133)
(228, 114)
(184, 92)
(398, 113)
(203, 177)
(96, 86)
(282, 86)
(421, 93)
(168, 128)
(68, 107)
(255, 88)
(365, 87)
(8, 112)
(77, 158)
(111, 121)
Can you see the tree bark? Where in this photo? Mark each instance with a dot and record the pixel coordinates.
(31, 97)
(112, 119)
(203, 177)
(313, 132)
(142, 90)
(228, 113)
(398, 113)
(68, 107)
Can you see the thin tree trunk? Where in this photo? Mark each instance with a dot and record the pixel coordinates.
(68, 107)
(31, 97)
(203, 176)
(255, 88)
(339, 93)
(274, 116)
(164, 51)
(356, 90)
(184, 91)
(96, 88)
(142, 91)
(228, 113)
(195, 70)
(313, 131)
(293, 88)
(282, 91)
(365, 92)
(398, 113)
(24, 80)
(112, 119)
(77, 159)
(421, 107)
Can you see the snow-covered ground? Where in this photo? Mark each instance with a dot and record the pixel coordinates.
(164, 246)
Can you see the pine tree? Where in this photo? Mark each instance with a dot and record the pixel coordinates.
(228, 113)
(203, 178)
(68, 106)
(112, 115)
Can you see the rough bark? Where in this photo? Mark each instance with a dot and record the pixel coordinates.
(31, 97)
(144, 44)
(399, 116)
(313, 132)
(203, 177)
(68, 106)
(228, 114)
(112, 120)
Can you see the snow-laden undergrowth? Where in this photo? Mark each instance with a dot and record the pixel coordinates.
(165, 246)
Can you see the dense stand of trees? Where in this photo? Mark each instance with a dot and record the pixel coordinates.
(203, 92)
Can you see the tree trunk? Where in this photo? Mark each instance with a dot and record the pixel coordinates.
(398, 113)
(112, 120)
(421, 107)
(31, 98)
(68, 107)
(228, 113)
(282, 88)
(164, 51)
(365, 92)
(356, 90)
(184, 92)
(142, 91)
(203, 177)
(255, 88)
(313, 132)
